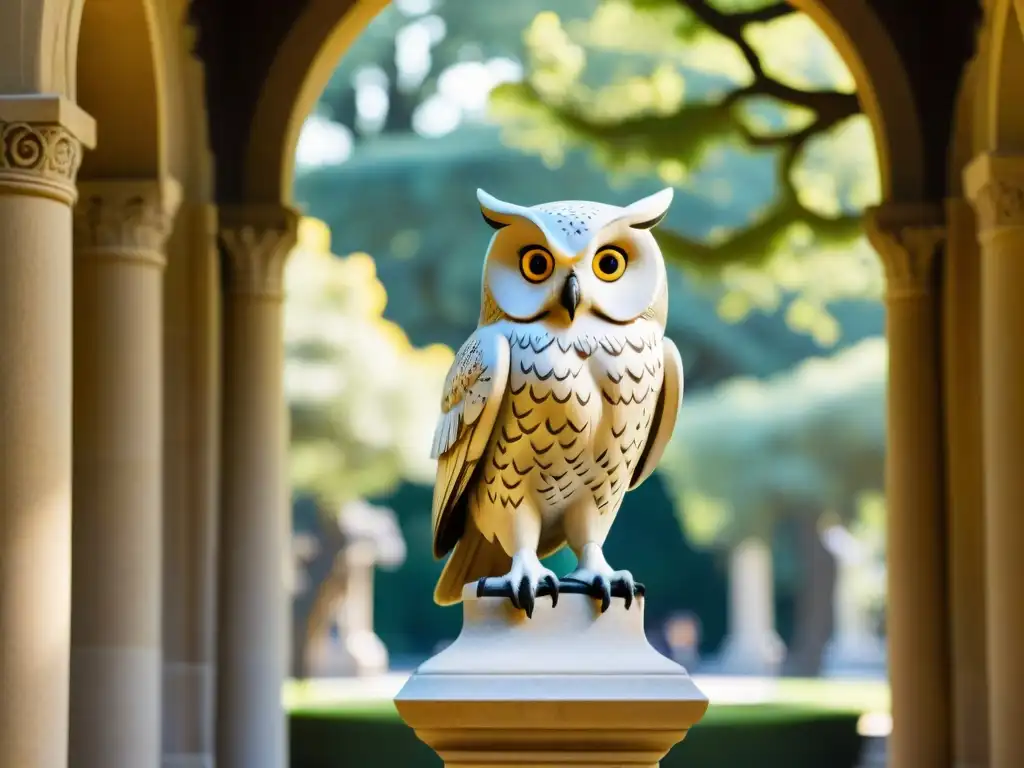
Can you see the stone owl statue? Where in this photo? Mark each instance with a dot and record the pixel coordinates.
(562, 400)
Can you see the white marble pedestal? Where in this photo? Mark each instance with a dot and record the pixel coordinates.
(570, 686)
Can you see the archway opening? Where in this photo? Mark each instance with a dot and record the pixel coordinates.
(120, 85)
(403, 214)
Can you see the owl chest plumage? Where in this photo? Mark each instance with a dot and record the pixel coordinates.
(574, 422)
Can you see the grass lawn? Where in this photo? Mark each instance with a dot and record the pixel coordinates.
(861, 695)
(801, 694)
(794, 733)
(726, 714)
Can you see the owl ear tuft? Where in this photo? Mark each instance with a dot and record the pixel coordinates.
(648, 212)
(497, 213)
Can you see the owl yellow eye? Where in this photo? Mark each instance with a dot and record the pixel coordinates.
(536, 263)
(610, 263)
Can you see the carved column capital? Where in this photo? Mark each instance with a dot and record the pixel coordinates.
(907, 237)
(257, 240)
(995, 186)
(125, 219)
(41, 145)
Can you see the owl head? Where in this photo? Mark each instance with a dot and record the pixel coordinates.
(566, 260)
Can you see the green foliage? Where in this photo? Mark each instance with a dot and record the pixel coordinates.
(729, 736)
(361, 399)
(672, 87)
(810, 441)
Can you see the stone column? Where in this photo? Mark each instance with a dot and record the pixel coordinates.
(996, 185)
(255, 530)
(961, 351)
(120, 229)
(908, 238)
(41, 142)
(191, 498)
(753, 647)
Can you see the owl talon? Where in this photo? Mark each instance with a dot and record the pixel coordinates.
(525, 597)
(549, 585)
(603, 586)
(527, 581)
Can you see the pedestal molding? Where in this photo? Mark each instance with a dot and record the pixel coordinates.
(907, 237)
(570, 686)
(125, 220)
(257, 240)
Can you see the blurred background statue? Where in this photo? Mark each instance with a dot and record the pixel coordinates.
(340, 641)
(856, 647)
(754, 462)
(362, 402)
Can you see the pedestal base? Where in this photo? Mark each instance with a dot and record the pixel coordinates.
(571, 686)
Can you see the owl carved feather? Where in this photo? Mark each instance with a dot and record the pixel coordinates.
(473, 392)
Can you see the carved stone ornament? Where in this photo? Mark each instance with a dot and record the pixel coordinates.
(1000, 203)
(125, 219)
(908, 239)
(994, 183)
(42, 158)
(257, 241)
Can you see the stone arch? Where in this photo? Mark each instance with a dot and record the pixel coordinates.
(1000, 114)
(883, 89)
(121, 81)
(37, 44)
(320, 37)
(298, 75)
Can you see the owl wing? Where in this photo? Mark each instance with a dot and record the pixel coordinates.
(473, 393)
(670, 399)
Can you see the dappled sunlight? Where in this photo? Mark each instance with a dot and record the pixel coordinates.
(838, 171)
(362, 398)
(748, 451)
(652, 89)
(794, 51)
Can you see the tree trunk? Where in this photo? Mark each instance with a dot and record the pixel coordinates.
(814, 601)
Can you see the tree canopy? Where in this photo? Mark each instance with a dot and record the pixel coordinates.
(678, 88)
(362, 399)
(810, 439)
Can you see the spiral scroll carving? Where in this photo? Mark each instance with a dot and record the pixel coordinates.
(39, 155)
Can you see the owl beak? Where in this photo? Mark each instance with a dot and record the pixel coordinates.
(571, 295)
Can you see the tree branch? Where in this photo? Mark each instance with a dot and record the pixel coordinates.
(729, 26)
(766, 14)
(750, 245)
(684, 135)
(733, 26)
